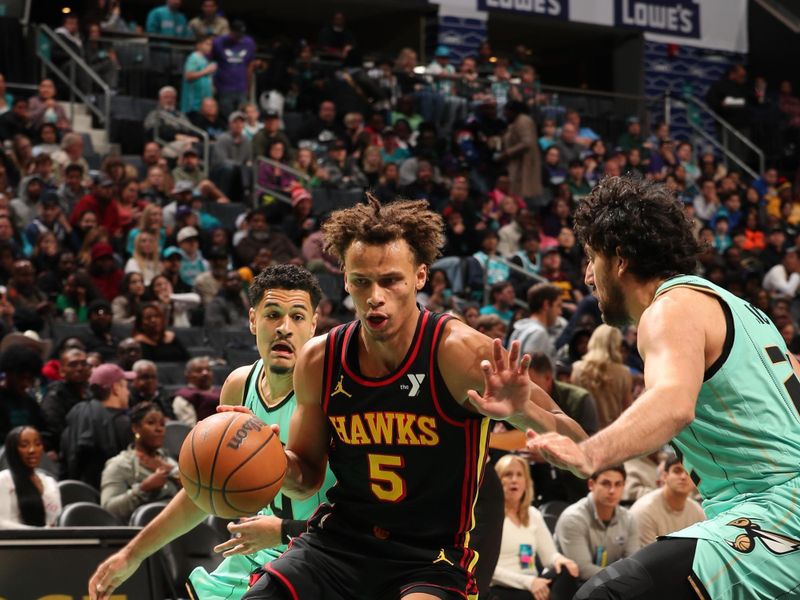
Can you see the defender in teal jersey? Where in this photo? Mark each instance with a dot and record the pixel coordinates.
(284, 299)
(720, 384)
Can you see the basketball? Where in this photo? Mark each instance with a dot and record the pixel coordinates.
(232, 464)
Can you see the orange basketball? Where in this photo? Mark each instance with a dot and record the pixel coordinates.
(232, 464)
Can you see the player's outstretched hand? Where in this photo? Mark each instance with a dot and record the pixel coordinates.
(111, 574)
(506, 384)
(222, 408)
(251, 534)
(561, 451)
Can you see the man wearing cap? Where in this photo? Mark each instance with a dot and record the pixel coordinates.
(231, 158)
(208, 283)
(102, 203)
(99, 428)
(99, 337)
(49, 219)
(171, 259)
(271, 132)
(188, 170)
(341, 171)
(234, 53)
(181, 195)
(193, 262)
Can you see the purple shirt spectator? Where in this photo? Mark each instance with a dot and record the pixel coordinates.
(232, 54)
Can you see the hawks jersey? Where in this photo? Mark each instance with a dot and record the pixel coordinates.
(407, 457)
(281, 415)
(745, 437)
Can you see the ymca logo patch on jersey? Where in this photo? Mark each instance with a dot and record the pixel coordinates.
(416, 384)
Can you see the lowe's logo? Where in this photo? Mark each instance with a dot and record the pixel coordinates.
(666, 17)
(544, 8)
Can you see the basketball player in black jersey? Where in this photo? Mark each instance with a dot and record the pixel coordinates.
(392, 401)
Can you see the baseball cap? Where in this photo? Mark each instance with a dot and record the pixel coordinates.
(442, 52)
(182, 211)
(170, 252)
(181, 187)
(49, 199)
(550, 250)
(187, 233)
(102, 249)
(337, 145)
(108, 374)
(271, 114)
(632, 119)
(238, 26)
(299, 194)
(102, 179)
(237, 114)
(189, 150)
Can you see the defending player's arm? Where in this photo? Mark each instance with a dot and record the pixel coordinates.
(309, 436)
(507, 392)
(672, 340)
(180, 516)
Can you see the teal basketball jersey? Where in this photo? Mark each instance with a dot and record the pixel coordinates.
(231, 578)
(745, 438)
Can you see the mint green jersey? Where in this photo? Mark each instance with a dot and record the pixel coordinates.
(745, 437)
(230, 579)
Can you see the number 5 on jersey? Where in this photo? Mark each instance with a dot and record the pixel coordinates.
(385, 483)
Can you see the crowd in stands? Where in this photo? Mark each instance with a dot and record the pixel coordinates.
(109, 267)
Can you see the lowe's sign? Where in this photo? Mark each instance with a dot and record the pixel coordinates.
(665, 17)
(557, 9)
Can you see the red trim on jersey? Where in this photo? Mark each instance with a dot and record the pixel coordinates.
(465, 487)
(461, 593)
(328, 372)
(417, 342)
(432, 379)
(287, 584)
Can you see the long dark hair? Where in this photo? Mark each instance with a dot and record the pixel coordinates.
(31, 507)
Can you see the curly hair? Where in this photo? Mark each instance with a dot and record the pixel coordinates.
(640, 221)
(373, 223)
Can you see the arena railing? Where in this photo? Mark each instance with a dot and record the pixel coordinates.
(78, 73)
(260, 190)
(515, 268)
(727, 131)
(184, 125)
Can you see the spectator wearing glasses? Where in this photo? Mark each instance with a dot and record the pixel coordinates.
(62, 395)
(146, 388)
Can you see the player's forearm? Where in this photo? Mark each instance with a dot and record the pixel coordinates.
(302, 478)
(653, 420)
(178, 517)
(542, 421)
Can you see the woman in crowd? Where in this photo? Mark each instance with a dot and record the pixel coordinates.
(45, 252)
(151, 220)
(145, 257)
(602, 373)
(159, 344)
(142, 473)
(94, 236)
(525, 538)
(129, 204)
(131, 291)
(272, 177)
(29, 497)
(86, 223)
(174, 307)
(306, 162)
(78, 293)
